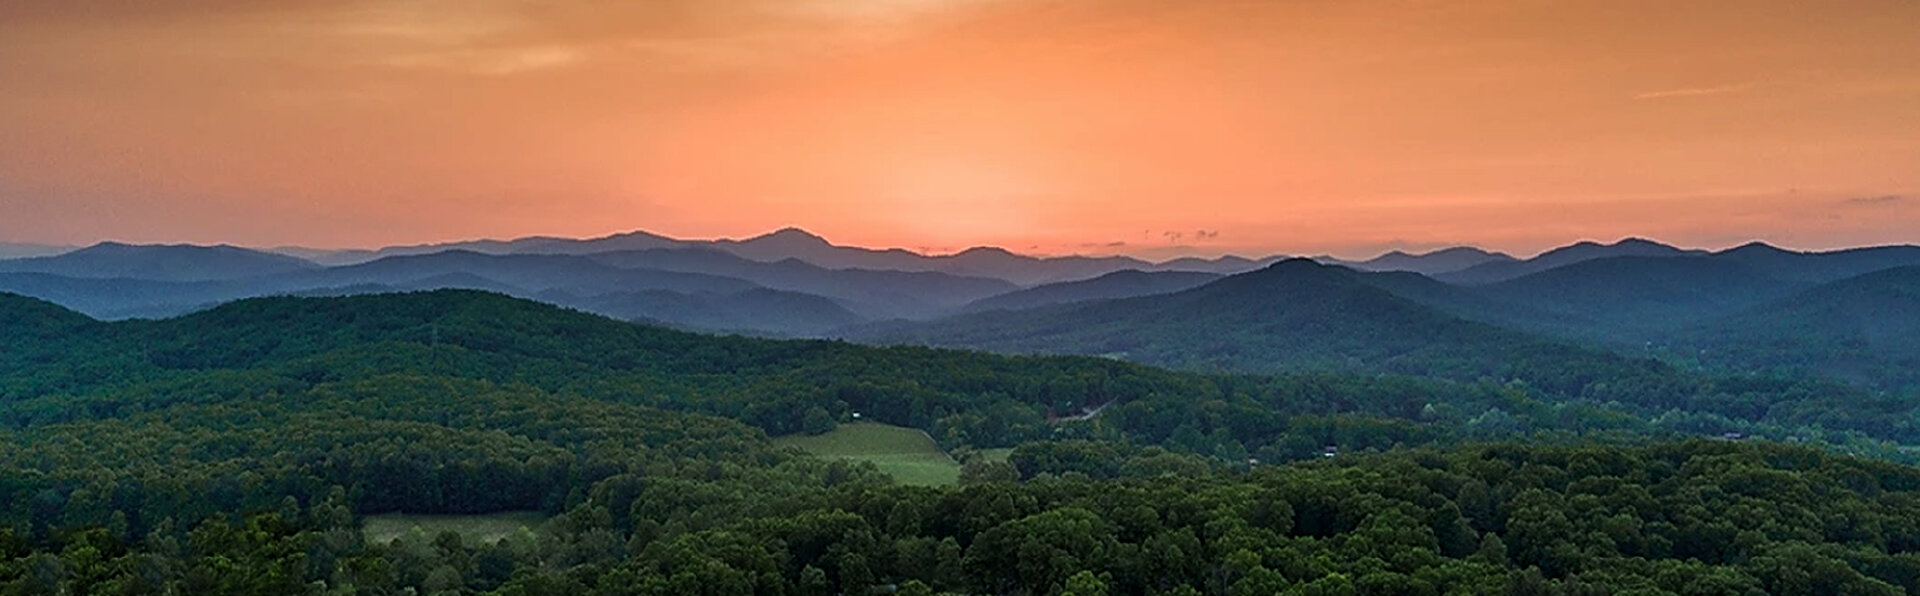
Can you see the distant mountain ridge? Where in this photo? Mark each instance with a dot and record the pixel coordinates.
(1858, 328)
(1290, 316)
(20, 250)
(795, 243)
(1633, 293)
(1446, 260)
(881, 293)
(1498, 271)
(1637, 298)
(179, 262)
(1127, 283)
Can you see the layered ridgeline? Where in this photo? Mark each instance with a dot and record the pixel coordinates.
(1636, 298)
(1865, 328)
(1130, 283)
(1684, 308)
(1291, 316)
(234, 451)
(793, 243)
(788, 283)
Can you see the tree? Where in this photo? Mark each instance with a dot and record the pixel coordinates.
(1085, 583)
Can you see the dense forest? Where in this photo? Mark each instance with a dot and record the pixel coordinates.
(237, 449)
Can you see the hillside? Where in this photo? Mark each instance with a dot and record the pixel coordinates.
(528, 272)
(273, 426)
(1820, 267)
(1293, 315)
(754, 312)
(25, 320)
(874, 293)
(1639, 299)
(120, 298)
(1865, 328)
(1129, 283)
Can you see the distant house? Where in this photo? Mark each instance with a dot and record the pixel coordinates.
(1733, 436)
(1330, 451)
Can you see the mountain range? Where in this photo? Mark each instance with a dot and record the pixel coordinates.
(1446, 260)
(794, 243)
(1292, 315)
(17, 250)
(1458, 311)
(1704, 310)
(159, 263)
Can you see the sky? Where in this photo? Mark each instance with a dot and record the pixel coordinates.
(1146, 127)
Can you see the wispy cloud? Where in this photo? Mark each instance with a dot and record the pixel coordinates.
(1696, 91)
(504, 61)
(1876, 200)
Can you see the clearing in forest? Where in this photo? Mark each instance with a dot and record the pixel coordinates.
(472, 529)
(910, 456)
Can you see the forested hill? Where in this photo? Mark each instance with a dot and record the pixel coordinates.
(1291, 316)
(964, 398)
(1865, 328)
(236, 451)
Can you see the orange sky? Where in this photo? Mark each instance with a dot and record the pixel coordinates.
(1202, 126)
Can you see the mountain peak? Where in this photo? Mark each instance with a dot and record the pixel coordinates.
(981, 251)
(1756, 248)
(1641, 242)
(109, 246)
(791, 235)
(1298, 264)
(1467, 250)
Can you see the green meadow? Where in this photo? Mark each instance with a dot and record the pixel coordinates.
(910, 456)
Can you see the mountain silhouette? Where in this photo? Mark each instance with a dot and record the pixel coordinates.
(159, 263)
(1498, 271)
(1292, 315)
(1446, 260)
(1820, 267)
(877, 294)
(1638, 298)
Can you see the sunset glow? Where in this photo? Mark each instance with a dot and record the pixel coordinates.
(1147, 127)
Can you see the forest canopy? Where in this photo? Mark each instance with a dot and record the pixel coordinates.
(237, 450)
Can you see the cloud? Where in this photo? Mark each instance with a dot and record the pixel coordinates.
(1875, 201)
(1696, 91)
(1206, 234)
(1174, 236)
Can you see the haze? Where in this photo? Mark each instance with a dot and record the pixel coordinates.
(1147, 127)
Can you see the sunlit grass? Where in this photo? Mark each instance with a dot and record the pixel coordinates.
(910, 456)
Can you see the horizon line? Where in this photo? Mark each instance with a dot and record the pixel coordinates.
(1278, 254)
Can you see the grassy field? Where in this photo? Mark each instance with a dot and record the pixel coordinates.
(474, 528)
(908, 455)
